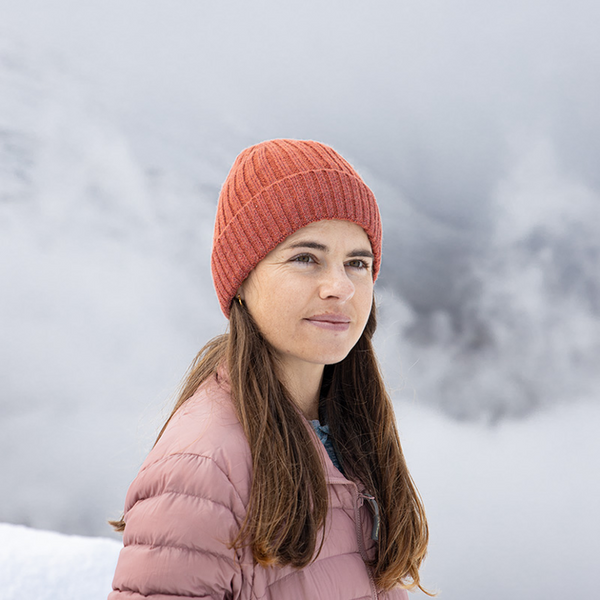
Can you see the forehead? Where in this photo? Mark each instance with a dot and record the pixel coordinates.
(334, 230)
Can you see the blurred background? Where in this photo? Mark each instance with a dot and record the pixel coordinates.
(477, 126)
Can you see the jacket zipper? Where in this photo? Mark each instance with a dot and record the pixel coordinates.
(359, 535)
(376, 520)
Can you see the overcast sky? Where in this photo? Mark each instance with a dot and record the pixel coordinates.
(429, 93)
(475, 122)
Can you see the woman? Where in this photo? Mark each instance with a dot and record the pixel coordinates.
(279, 474)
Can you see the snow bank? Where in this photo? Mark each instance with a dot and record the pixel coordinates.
(43, 565)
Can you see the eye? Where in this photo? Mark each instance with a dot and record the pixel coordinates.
(304, 258)
(358, 263)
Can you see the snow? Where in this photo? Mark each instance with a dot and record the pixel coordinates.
(44, 565)
(512, 512)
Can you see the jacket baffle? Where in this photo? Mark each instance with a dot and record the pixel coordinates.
(189, 500)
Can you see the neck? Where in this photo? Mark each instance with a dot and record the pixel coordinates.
(303, 382)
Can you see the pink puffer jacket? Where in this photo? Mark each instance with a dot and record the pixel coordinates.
(189, 499)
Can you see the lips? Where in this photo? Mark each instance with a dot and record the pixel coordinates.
(334, 322)
(330, 318)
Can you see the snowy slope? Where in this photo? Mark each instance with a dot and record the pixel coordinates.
(43, 565)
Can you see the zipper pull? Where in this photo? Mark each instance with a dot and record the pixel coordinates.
(376, 520)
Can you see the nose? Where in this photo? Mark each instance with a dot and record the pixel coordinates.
(335, 283)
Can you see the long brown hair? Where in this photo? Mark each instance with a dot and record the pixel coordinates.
(288, 497)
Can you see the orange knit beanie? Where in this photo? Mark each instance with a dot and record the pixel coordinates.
(274, 189)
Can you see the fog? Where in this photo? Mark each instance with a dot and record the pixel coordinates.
(475, 124)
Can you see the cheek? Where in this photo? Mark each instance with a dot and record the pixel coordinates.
(271, 308)
(365, 301)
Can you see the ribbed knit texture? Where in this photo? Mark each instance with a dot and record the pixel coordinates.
(274, 189)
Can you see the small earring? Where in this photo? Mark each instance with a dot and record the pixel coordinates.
(239, 299)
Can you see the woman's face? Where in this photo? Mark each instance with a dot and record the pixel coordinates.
(311, 296)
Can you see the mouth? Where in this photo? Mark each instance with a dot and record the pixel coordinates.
(333, 322)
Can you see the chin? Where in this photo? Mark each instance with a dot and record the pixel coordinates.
(332, 358)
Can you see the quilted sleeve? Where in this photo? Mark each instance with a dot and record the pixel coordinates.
(181, 512)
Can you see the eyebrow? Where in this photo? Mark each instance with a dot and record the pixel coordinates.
(324, 248)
